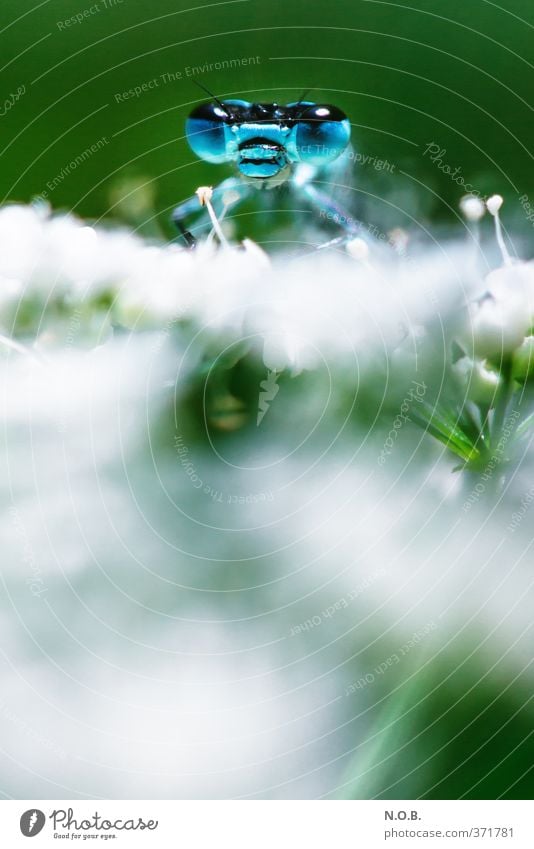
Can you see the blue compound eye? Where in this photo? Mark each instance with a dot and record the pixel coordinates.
(207, 133)
(322, 133)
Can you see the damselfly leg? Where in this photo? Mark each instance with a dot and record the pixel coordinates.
(228, 194)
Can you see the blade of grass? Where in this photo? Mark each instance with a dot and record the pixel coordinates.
(444, 428)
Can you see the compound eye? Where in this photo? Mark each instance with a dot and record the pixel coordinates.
(322, 133)
(206, 133)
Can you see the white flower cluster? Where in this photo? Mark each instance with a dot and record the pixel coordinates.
(58, 273)
(499, 324)
(55, 272)
(65, 283)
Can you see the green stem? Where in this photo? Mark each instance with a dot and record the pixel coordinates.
(497, 451)
(504, 395)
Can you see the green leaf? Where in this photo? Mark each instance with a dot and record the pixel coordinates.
(443, 426)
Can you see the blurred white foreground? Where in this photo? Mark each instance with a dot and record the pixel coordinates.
(197, 606)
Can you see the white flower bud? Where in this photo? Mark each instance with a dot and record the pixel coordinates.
(358, 249)
(498, 327)
(399, 239)
(230, 197)
(479, 382)
(494, 204)
(524, 359)
(277, 352)
(514, 282)
(472, 208)
(257, 254)
(204, 194)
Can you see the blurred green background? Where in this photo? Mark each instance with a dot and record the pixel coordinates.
(451, 72)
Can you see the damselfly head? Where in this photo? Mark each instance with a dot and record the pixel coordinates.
(265, 139)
